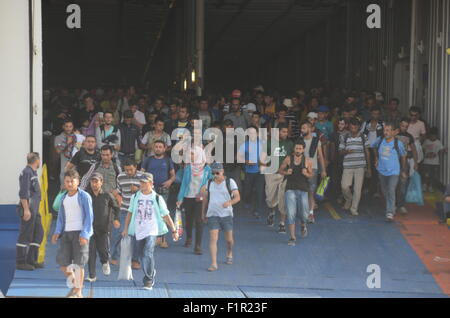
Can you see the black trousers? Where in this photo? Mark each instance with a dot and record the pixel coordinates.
(30, 237)
(193, 211)
(99, 242)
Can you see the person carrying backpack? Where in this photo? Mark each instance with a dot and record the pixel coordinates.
(373, 129)
(313, 150)
(390, 161)
(163, 170)
(108, 134)
(354, 147)
(298, 170)
(217, 211)
(148, 218)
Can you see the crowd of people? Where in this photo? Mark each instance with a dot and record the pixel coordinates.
(115, 146)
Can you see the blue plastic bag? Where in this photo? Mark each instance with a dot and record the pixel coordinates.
(179, 176)
(414, 193)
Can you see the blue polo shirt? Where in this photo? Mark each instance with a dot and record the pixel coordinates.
(252, 151)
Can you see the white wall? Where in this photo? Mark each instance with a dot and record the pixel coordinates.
(14, 96)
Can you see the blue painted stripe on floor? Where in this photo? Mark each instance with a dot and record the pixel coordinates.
(158, 291)
(203, 291)
(267, 292)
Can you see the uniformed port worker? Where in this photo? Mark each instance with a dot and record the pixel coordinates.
(31, 231)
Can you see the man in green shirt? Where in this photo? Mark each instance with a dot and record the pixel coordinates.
(275, 183)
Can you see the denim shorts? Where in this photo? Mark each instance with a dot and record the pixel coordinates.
(70, 251)
(218, 223)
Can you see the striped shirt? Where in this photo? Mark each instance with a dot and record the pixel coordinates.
(124, 183)
(356, 159)
(295, 126)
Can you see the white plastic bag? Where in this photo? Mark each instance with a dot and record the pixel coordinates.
(420, 155)
(126, 251)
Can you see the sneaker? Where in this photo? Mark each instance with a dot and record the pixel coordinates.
(91, 280)
(114, 262)
(291, 242)
(354, 213)
(270, 219)
(346, 206)
(282, 229)
(403, 210)
(311, 219)
(38, 265)
(106, 269)
(304, 231)
(389, 217)
(148, 285)
(24, 267)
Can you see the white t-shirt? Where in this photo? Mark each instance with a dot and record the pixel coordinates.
(146, 223)
(218, 195)
(432, 147)
(194, 186)
(78, 144)
(417, 129)
(140, 117)
(73, 213)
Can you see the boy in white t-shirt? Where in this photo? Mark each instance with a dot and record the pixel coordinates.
(432, 148)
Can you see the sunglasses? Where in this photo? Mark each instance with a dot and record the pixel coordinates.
(217, 173)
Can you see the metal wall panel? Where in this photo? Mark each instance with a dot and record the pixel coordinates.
(437, 112)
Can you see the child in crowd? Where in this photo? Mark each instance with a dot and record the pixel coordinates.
(432, 148)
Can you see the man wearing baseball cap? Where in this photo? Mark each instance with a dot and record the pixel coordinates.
(217, 210)
(104, 206)
(323, 124)
(148, 218)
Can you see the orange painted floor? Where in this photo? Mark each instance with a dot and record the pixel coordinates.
(430, 240)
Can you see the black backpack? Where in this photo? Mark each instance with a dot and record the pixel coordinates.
(314, 145)
(378, 130)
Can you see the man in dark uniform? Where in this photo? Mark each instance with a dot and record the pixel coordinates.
(31, 231)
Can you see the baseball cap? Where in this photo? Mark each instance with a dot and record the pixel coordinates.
(250, 107)
(236, 93)
(146, 177)
(97, 175)
(312, 115)
(216, 166)
(323, 109)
